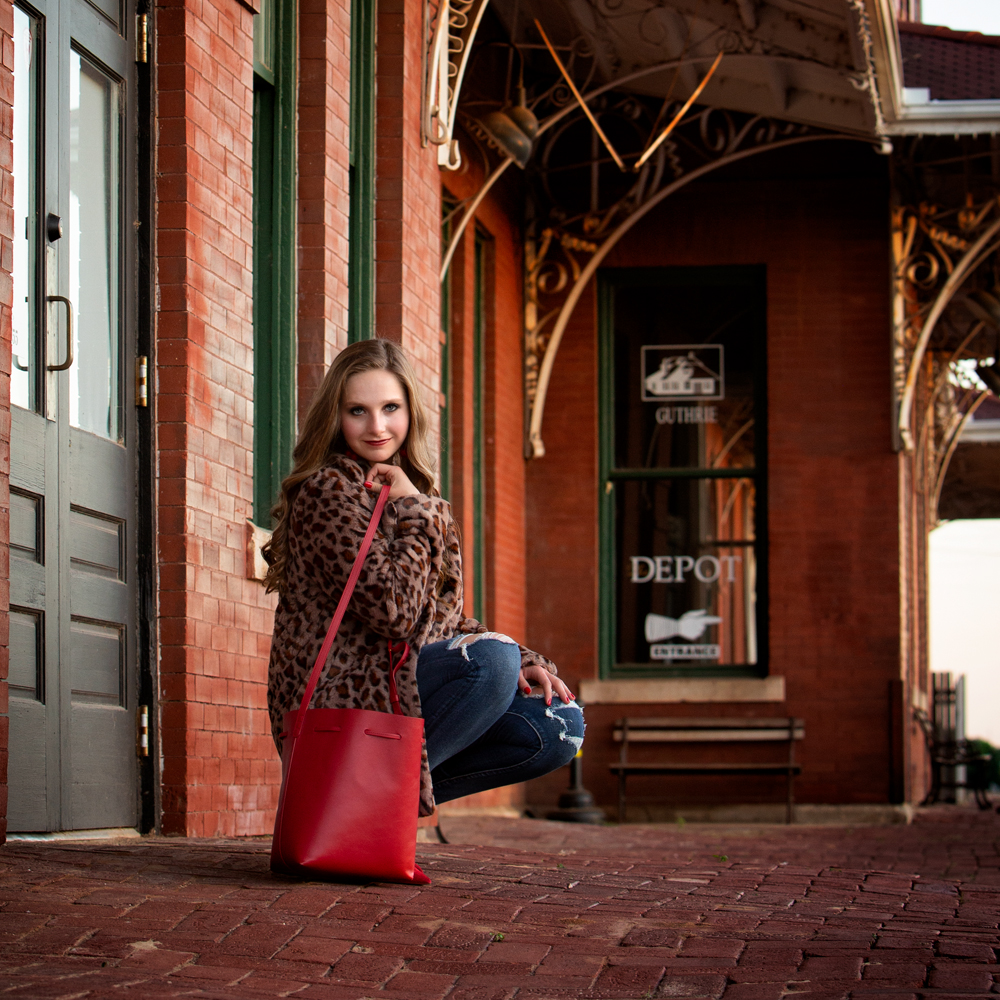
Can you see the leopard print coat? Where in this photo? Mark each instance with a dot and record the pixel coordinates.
(410, 588)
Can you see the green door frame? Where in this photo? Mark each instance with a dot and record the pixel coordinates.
(479, 575)
(361, 226)
(274, 249)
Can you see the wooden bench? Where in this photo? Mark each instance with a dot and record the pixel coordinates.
(634, 730)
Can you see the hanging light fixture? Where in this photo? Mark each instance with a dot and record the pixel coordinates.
(521, 115)
(508, 138)
(513, 128)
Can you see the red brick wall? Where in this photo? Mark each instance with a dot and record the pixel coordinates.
(461, 410)
(562, 507)
(407, 200)
(833, 504)
(324, 197)
(503, 417)
(833, 478)
(562, 544)
(6, 301)
(219, 768)
(504, 427)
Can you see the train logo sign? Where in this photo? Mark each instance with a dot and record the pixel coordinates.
(688, 372)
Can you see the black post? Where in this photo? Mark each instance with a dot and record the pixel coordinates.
(576, 804)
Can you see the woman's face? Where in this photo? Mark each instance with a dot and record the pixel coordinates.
(375, 416)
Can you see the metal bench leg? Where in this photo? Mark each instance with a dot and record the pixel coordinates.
(935, 790)
(791, 770)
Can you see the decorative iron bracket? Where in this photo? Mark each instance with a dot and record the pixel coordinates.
(470, 209)
(916, 268)
(454, 31)
(715, 138)
(721, 145)
(945, 310)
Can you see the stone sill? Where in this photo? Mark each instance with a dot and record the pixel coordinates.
(682, 689)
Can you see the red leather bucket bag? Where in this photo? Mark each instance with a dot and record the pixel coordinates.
(350, 778)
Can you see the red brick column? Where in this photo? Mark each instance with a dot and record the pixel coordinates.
(6, 301)
(323, 211)
(502, 424)
(408, 199)
(503, 415)
(461, 413)
(219, 768)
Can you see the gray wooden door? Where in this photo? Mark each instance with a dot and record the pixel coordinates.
(73, 671)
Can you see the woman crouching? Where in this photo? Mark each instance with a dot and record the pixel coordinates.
(485, 724)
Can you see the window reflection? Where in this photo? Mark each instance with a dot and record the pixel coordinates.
(94, 246)
(685, 367)
(687, 590)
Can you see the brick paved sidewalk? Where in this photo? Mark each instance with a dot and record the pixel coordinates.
(521, 909)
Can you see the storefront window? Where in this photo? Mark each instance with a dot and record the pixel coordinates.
(682, 418)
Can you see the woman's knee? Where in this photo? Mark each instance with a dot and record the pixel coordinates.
(495, 655)
(565, 729)
(560, 727)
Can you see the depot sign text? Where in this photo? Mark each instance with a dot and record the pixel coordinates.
(672, 569)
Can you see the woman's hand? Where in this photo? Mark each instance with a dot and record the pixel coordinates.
(399, 481)
(549, 683)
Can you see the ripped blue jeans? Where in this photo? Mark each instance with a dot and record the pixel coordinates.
(481, 731)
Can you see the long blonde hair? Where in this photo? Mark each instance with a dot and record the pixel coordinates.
(321, 437)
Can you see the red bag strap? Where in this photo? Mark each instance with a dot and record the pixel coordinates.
(404, 649)
(338, 617)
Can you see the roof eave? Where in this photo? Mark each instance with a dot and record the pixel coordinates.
(946, 118)
(934, 118)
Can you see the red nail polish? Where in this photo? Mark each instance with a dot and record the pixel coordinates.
(548, 701)
(368, 484)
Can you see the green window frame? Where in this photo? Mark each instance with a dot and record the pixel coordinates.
(481, 289)
(615, 480)
(274, 250)
(361, 180)
(479, 575)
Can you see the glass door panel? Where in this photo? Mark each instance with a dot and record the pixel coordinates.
(94, 226)
(687, 590)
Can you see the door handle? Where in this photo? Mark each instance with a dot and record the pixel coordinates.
(69, 332)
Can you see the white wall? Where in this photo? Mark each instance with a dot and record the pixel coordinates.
(965, 616)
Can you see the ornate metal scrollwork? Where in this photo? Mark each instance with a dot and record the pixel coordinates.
(551, 262)
(941, 257)
(583, 202)
(455, 25)
(946, 319)
(563, 253)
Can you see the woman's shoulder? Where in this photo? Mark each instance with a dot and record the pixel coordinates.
(338, 473)
(340, 480)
